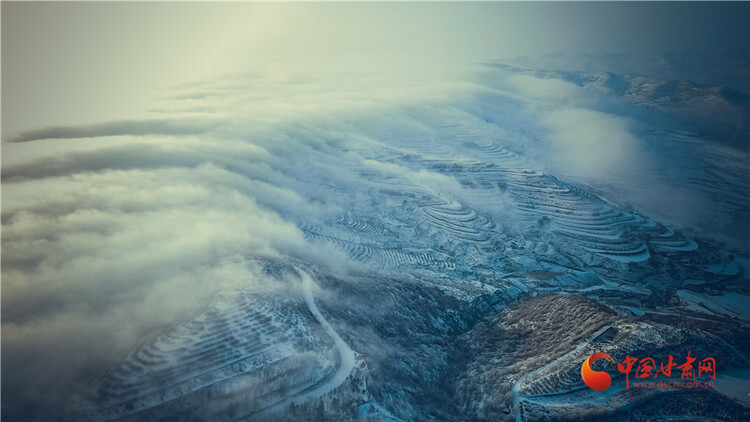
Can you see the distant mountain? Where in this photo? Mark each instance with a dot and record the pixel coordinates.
(386, 248)
(710, 94)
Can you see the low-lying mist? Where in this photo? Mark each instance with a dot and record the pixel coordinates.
(115, 229)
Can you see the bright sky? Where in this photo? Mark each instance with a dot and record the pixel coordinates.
(68, 63)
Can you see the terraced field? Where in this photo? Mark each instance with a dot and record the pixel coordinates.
(557, 387)
(414, 237)
(393, 223)
(480, 226)
(255, 350)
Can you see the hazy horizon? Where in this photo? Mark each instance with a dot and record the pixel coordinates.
(73, 63)
(371, 211)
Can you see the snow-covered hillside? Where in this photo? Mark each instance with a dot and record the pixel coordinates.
(385, 246)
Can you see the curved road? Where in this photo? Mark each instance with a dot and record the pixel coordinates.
(345, 352)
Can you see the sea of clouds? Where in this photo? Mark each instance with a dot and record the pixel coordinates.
(113, 230)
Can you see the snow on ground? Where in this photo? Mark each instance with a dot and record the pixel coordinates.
(732, 304)
(346, 354)
(734, 384)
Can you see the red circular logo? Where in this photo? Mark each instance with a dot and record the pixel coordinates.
(597, 380)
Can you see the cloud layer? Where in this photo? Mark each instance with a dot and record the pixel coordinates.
(111, 231)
